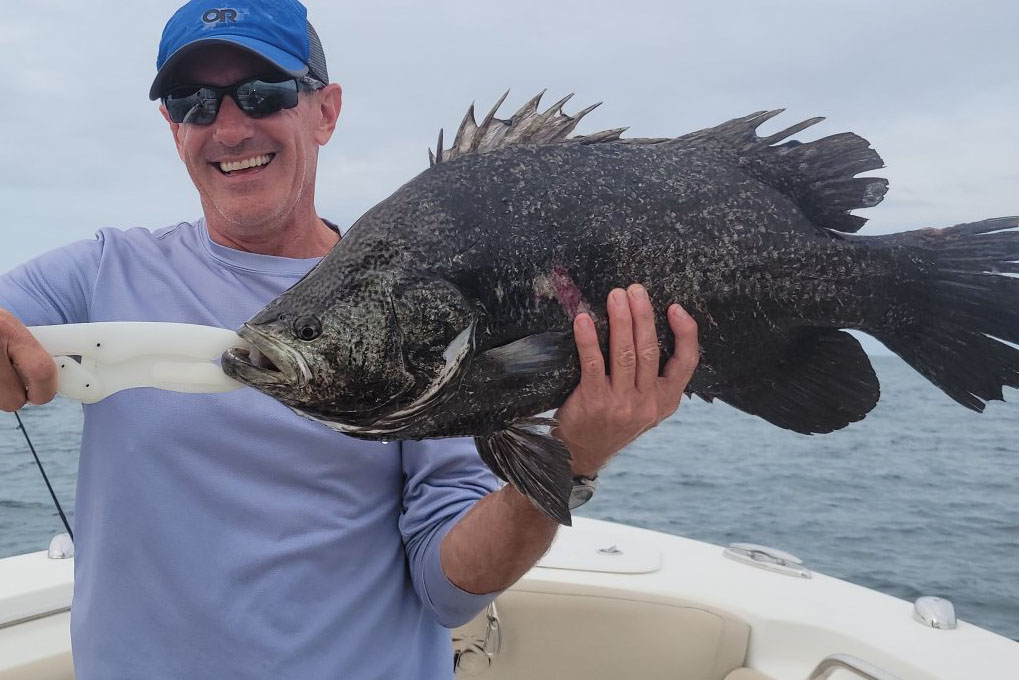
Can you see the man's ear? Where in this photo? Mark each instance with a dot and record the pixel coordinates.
(174, 129)
(330, 100)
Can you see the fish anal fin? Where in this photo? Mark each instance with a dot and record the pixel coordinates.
(823, 382)
(526, 455)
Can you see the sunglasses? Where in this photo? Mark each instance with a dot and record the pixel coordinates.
(258, 97)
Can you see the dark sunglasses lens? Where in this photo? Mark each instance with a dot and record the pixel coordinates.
(257, 98)
(198, 106)
(260, 98)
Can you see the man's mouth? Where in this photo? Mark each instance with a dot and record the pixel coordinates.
(245, 166)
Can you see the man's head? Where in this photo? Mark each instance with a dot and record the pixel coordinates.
(245, 91)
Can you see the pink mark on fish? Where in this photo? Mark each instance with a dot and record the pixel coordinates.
(560, 285)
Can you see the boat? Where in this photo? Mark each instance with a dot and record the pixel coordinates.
(607, 601)
(611, 601)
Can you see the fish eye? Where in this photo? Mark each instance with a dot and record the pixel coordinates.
(307, 328)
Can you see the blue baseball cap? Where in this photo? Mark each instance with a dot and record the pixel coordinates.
(278, 31)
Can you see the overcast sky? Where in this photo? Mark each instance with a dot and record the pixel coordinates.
(932, 85)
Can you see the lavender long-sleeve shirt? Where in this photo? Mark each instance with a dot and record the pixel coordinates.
(223, 536)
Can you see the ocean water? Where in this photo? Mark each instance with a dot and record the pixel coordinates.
(920, 498)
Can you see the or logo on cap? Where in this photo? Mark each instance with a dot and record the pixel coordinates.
(219, 16)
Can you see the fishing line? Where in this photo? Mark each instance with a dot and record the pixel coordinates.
(53, 495)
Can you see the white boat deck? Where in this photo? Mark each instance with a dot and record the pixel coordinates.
(609, 601)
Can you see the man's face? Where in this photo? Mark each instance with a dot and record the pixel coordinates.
(264, 195)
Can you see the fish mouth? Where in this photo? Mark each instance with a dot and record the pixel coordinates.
(266, 363)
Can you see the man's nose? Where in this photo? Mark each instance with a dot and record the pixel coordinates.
(232, 126)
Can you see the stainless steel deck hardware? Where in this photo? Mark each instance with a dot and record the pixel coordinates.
(764, 557)
(853, 664)
(936, 612)
(473, 652)
(61, 547)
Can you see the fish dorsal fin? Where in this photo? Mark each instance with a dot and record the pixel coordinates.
(526, 126)
(818, 175)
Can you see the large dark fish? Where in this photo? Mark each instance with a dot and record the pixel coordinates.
(447, 308)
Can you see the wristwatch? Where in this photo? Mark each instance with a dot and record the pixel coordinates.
(583, 489)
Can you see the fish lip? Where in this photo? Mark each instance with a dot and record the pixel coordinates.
(293, 368)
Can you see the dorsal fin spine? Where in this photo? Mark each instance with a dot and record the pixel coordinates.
(526, 126)
(466, 133)
(438, 150)
(491, 114)
(818, 175)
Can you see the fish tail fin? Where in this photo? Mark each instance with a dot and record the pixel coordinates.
(953, 326)
(526, 455)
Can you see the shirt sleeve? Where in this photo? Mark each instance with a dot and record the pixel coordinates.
(54, 288)
(443, 479)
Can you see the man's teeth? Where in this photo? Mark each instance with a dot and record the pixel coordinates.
(252, 162)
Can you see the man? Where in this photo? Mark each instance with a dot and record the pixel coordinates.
(222, 536)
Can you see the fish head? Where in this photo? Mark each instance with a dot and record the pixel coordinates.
(356, 356)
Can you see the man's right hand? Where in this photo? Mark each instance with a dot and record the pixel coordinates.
(27, 371)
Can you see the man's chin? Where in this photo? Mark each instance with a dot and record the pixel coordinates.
(247, 215)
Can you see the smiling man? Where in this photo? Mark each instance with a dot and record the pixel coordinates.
(251, 151)
(222, 536)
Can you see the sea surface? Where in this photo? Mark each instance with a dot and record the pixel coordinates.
(920, 498)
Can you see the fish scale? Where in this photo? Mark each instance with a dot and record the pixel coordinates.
(447, 309)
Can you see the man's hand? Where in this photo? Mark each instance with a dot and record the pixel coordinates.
(607, 412)
(504, 534)
(27, 372)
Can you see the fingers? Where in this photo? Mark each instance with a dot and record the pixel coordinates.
(592, 364)
(680, 367)
(622, 352)
(38, 373)
(645, 339)
(12, 391)
(633, 346)
(27, 371)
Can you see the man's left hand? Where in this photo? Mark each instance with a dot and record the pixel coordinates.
(503, 535)
(608, 411)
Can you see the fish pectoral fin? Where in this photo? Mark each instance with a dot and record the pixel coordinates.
(823, 382)
(534, 353)
(526, 455)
